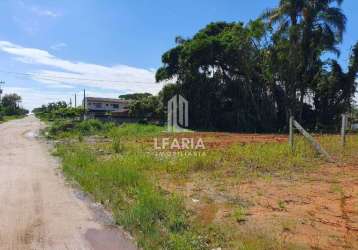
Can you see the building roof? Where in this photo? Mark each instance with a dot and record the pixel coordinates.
(111, 100)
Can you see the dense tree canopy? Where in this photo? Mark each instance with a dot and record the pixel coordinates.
(147, 106)
(57, 110)
(135, 96)
(252, 77)
(10, 106)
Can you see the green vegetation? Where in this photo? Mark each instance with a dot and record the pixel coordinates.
(122, 183)
(67, 128)
(252, 77)
(240, 214)
(118, 166)
(57, 111)
(147, 106)
(10, 108)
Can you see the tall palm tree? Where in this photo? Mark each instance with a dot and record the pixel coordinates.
(312, 28)
(309, 16)
(323, 27)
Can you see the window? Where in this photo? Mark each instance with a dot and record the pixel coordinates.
(116, 106)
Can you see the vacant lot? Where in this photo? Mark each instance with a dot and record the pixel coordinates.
(244, 191)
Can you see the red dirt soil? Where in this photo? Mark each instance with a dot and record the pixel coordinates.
(318, 210)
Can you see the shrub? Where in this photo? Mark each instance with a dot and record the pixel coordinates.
(135, 130)
(60, 126)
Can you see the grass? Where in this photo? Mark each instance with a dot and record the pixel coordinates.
(70, 128)
(123, 172)
(136, 130)
(10, 118)
(158, 220)
(281, 205)
(240, 214)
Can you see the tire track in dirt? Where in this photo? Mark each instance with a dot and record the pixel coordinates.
(37, 225)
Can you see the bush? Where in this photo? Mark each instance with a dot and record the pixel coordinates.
(135, 130)
(70, 128)
(89, 127)
(61, 126)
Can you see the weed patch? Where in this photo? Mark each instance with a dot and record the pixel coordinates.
(157, 219)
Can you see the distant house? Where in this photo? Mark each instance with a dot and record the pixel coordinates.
(355, 126)
(102, 106)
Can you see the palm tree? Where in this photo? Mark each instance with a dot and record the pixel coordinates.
(310, 16)
(286, 18)
(312, 28)
(286, 15)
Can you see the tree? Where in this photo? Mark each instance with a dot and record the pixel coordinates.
(219, 72)
(57, 110)
(11, 100)
(311, 28)
(252, 77)
(135, 96)
(146, 108)
(333, 95)
(11, 105)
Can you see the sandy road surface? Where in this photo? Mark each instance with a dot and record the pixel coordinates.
(37, 209)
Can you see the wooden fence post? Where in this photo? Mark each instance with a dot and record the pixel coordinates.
(314, 143)
(343, 130)
(290, 139)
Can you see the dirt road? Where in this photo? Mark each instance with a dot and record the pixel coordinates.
(37, 209)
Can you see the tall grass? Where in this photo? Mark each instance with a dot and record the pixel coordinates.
(158, 220)
(7, 118)
(332, 143)
(135, 130)
(71, 128)
(127, 180)
(270, 157)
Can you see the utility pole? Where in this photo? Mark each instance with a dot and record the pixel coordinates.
(84, 99)
(1, 91)
(75, 100)
(343, 129)
(84, 104)
(290, 138)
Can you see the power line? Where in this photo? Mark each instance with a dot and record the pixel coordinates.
(55, 78)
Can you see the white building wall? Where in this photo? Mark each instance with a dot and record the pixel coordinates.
(355, 126)
(105, 106)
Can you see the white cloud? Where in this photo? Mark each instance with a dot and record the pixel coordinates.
(58, 46)
(44, 12)
(72, 73)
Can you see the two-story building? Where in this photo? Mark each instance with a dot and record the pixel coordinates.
(100, 106)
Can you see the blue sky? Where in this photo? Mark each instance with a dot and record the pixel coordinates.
(119, 42)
